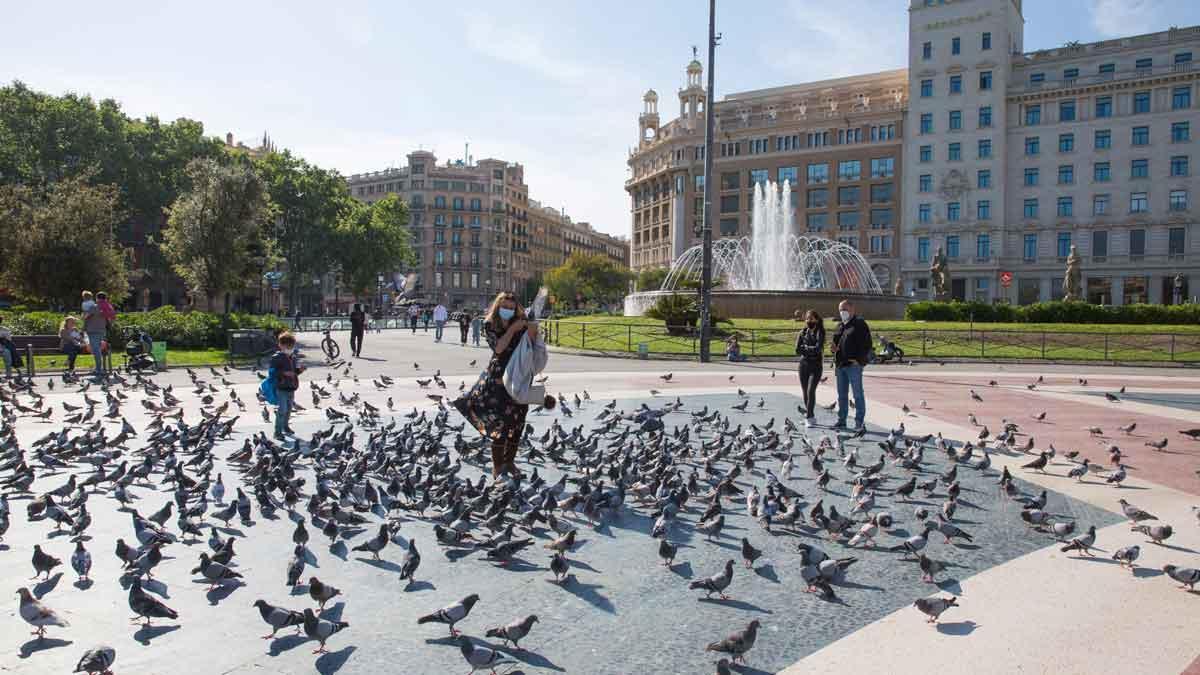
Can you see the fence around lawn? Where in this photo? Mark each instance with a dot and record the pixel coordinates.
(925, 343)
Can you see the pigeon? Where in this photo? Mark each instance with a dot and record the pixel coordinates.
(321, 593)
(1126, 555)
(1188, 577)
(559, 567)
(513, 632)
(1133, 513)
(96, 661)
(214, 572)
(667, 551)
(1157, 533)
(295, 567)
(933, 607)
(81, 561)
(375, 544)
(929, 568)
(738, 643)
(43, 562)
(410, 563)
(749, 553)
(1117, 477)
(1083, 544)
(147, 606)
(478, 656)
(717, 583)
(1158, 445)
(452, 614)
(1038, 464)
(320, 629)
(38, 615)
(278, 617)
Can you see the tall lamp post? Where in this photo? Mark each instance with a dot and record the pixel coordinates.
(706, 231)
(379, 289)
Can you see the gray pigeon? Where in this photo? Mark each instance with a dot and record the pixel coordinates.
(320, 629)
(452, 614)
(738, 643)
(478, 656)
(717, 583)
(1084, 543)
(667, 551)
(1133, 513)
(96, 661)
(1187, 576)
(278, 617)
(38, 615)
(933, 607)
(930, 568)
(1127, 555)
(513, 632)
(410, 563)
(1157, 533)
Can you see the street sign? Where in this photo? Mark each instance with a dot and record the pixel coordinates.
(1006, 279)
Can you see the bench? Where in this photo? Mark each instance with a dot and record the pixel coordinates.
(43, 345)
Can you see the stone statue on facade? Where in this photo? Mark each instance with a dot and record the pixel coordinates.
(899, 288)
(1177, 289)
(939, 276)
(1072, 290)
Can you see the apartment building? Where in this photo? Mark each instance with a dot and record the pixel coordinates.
(1013, 157)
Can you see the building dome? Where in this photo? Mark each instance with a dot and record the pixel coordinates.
(694, 66)
(651, 95)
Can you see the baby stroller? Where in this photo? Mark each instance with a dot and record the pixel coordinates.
(138, 346)
(888, 351)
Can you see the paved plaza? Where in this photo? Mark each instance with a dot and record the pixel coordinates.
(1024, 605)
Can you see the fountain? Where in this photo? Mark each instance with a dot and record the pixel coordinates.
(775, 271)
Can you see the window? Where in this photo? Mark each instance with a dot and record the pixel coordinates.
(1143, 64)
(1066, 174)
(1183, 58)
(1138, 202)
(1181, 97)
(848, 220)
(731, 180)
(439, 257)
(817, 221)
(1137, 243)
(850, 170)
(1063, 245)
(956, 84)
(818, 198)
(729, 227)
(788, 174)
(1141, 102)
(1100, 205)
(953, 211)
(881, 244)
(926, 88)
(923, 213)
(1103, 139)
(955, 46)
(439, 202)
(1181, 132)
(476, 204)
(1179, 165)
(986, 41)
(1141, 136)
(983, 246)
(983, 179)
(1104, 106)
(730, 203)
(883, 167)
(1099, 244)
(1066, 142)
(985, 117)
(700, 183)
(1031, 208)
(759, 176)
(927, 51)
(457, 204)
(926, 123)
(1033, 115)
(1066, 111)
(1070, 74)
(922, 249)
(881, 219)
(1066, 207)
(849, 196)
(1101, 172)
(926, 153)
(758, 146)
(955, 120)
(1033, 146)
(1139, 168)
(954, 152)
(1178, 200)
(1107, 68)
(818, 173)
(1175, 241)
(1031, 177)
(925, 183)
(439, 219)
(952, 246)
(1030, 247)
(784, 143)
(881, 194)
(983, 209)
(985, 148)
(985, 80)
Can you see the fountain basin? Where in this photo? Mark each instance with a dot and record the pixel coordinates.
(767, 304)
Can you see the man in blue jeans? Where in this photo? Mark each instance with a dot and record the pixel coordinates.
(851, 345)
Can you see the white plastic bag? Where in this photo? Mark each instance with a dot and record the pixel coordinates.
(528, 359)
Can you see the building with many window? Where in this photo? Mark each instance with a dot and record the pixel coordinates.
(1013, 157)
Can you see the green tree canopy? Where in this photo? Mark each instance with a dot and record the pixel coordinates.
(372, 239)
(652, 279)
(60, 241)
(587, 278)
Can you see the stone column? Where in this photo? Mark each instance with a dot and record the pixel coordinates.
(1154, 290)
(1118, 291)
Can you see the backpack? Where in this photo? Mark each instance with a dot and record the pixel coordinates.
(267, 388)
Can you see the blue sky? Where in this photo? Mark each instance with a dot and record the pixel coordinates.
(556, 85)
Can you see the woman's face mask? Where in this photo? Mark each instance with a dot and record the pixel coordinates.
(507, 314)
(287, 350)
(844, 314)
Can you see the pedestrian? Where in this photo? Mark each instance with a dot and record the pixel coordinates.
(439, 321)
(95, 326)
(733, 349)
(476, 328)
(285, 375)
(413, 312)
(299, 318)
(8, 350)
(810, 347)
(851, 346)
(358, 325)
(71, 341)
(426, 315)
(464, 323)
(488, 406)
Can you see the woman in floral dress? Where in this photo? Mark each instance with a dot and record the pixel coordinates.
(488, 406)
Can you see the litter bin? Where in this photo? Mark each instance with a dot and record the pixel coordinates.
(643, 350)
(159, 351)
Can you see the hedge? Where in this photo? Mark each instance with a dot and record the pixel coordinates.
(1054, 312)
(178, 329)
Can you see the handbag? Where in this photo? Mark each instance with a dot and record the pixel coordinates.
(528, 359)
(267, 388)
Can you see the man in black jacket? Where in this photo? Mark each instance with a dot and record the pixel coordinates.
(358, 326)
(851, 345)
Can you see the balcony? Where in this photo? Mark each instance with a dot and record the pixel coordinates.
(1102, 78)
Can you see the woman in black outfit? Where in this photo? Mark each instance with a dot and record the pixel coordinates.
(810, 344)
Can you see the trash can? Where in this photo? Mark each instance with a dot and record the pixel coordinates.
(159, 351)
(643, 350)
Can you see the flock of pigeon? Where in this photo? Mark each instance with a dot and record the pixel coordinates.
(370, 468)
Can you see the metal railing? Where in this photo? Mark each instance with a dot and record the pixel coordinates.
(925, 343)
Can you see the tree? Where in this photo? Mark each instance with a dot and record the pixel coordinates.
(592, 276)
(372, 239)
(213, 227)
(652, 279)
(60, 240)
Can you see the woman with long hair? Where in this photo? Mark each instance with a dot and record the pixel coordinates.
(71, 340)
(809, 345)
(488, 406)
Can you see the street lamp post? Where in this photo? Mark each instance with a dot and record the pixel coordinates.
(706, 232)
(379, 288)
(316, 310)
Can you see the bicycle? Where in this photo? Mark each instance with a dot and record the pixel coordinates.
(330, 346)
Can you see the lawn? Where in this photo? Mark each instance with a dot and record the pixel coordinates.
(175, 357)
(775, 338)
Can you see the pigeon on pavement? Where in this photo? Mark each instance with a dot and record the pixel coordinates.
(933, 607)
(38, 615)
(451, 614)
(738, 643)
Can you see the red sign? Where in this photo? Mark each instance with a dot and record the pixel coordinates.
(1006, 279)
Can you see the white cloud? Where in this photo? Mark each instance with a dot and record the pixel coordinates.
(835, 41)
(1114, 18)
